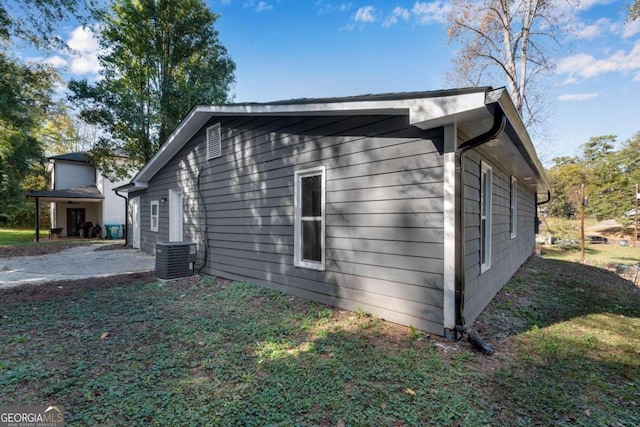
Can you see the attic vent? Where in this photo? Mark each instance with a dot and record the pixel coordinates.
(214, 148)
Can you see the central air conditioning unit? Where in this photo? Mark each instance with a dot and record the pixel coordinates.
(175, 259)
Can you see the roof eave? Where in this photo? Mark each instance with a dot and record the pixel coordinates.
(424, 112)
(523, 140)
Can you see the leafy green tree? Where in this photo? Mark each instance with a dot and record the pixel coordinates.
(37, 21)
(566, 176)
(634, 10)
(61, 133)
(610, 177)
(25, 92)
(629, 158)
(605, 179)
(628, 163)
(598, 148)
(163, 57)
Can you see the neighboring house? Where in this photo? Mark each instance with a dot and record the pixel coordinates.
(415, 207)
(79, 193)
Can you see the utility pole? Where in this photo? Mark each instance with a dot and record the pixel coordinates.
(635, 221)
(582, 223)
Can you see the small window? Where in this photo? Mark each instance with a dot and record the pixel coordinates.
(310, 218)
(155, 209)
(486, 185)
(514, 207)
(214, 142)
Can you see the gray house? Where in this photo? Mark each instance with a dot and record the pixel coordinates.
(415, 207)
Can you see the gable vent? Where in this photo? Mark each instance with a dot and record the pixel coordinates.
(214, 143)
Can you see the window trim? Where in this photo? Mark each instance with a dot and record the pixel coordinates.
(513, 206)
(216, 143)
(486, 198)
(155, 203)
(298, 261)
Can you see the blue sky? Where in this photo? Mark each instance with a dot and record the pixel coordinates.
(322, 48)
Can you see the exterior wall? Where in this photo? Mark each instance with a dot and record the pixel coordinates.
(93, 213)
(384, 210)
(113, 210)
(73, 175)
(507, 254)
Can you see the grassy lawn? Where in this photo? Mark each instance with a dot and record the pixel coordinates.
(12, 236)
(20, 242)
(203, 351)
(600, 255)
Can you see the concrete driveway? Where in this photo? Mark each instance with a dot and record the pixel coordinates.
(79, 262)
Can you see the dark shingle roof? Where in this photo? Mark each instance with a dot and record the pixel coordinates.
(391, 96)
(72, 157)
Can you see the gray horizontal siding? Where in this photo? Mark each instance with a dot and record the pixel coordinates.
(507, 254)
(384, 222)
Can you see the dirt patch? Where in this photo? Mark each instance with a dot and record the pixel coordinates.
(113, 247)
(65, 288)
(46, 248)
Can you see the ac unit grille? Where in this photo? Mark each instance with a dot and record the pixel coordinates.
(175, 259)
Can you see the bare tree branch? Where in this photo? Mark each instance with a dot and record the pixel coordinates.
(506, 40)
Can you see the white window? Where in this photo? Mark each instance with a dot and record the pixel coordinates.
(310, 218)
(155, 210)
(214, 142)
(486, 178)
(514, 207)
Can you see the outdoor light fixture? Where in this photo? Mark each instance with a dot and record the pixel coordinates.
(163, 200)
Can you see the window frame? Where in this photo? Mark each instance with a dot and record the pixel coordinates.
(486, 215)
(513, 206)
(298, 259)
(155, 203)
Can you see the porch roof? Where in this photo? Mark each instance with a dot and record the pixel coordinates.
(86, 194)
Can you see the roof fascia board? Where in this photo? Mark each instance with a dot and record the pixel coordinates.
(446, 110)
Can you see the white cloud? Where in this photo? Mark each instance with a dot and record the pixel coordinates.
(588, 32)
(262, 6)
(398, 13)
(585, 66)
(428, 12)
(83, 40)
(365, 14)
(86, 48)
(57, 61)
(326, 6)
(586, 4)
(84, 65)
(577, 96)
(631, 28)
(584, 31)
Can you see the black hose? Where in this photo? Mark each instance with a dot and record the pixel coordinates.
(479, 344)
(125, 232)
(205, 232)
